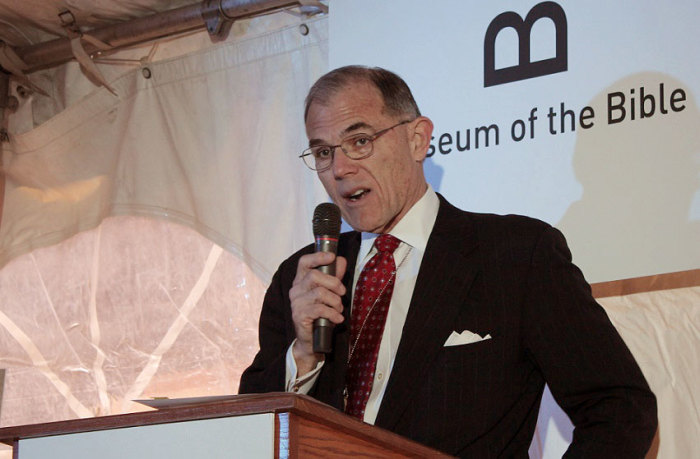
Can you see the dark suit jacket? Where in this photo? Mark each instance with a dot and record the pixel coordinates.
(507, 276)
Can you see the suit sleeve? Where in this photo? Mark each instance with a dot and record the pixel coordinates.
(589, 369)
(275, 334)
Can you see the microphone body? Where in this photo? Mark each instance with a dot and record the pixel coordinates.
(325, 243)
(326, 225)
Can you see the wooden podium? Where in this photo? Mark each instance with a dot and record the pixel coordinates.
(280, 425)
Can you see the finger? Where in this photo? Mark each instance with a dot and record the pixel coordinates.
(311, 261)
(304, 313)
(332, 314)
(314, 279)
(341, 264)
(325, 297)
(304, 300)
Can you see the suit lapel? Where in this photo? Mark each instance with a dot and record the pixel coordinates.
(349, 251)
(446, 273)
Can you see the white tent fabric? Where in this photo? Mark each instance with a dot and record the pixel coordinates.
(662, 329)
(136, 308)
(111, 288)
(210, 140)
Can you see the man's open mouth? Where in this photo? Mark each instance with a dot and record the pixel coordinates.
(357, 195)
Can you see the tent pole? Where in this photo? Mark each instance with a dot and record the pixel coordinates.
(210, 14)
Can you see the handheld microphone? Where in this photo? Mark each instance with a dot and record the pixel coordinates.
(326, 223)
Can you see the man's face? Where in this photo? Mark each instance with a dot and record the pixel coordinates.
(373, 193)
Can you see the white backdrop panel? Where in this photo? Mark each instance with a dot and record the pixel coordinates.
(625, 193)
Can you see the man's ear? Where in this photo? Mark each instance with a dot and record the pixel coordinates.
(420, 133)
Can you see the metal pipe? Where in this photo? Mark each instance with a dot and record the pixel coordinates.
(210, 14)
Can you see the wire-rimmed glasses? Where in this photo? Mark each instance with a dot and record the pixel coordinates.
(358, 146)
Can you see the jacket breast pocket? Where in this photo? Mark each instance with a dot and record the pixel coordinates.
(468, 355)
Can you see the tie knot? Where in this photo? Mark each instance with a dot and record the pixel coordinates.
(386, 243)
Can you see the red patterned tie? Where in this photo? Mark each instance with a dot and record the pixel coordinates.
(369, 310)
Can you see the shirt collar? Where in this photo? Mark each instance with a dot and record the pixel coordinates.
(414, 228)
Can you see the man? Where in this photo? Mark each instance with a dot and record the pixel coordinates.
(482, 310)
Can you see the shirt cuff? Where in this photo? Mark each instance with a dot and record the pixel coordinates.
(303, 384)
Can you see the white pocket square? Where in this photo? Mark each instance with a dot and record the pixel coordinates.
(466, 337)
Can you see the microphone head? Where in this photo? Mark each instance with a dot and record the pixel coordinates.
(326, 220)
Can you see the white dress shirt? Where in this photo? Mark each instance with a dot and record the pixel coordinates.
(413, 230)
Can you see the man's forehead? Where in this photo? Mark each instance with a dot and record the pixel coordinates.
(358, 107)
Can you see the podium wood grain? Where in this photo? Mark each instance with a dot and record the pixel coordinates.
(304, 427)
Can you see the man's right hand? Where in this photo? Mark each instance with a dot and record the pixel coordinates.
(313, 295)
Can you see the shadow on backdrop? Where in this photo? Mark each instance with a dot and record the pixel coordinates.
(639, 178)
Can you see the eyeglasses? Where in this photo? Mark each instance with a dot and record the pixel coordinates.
(358, 146)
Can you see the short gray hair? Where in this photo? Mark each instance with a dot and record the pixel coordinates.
(397, 96)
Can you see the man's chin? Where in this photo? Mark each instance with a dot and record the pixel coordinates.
(360, 221)
(360, 226)
(365, 227)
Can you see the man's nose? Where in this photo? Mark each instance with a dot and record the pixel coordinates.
(342, 165)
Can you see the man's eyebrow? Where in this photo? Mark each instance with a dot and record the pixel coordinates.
(343, 133)
(355, 127)
(314, 142)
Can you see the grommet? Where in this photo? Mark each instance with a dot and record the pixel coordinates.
(23, 92)
(146, 72)
(304, 29)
